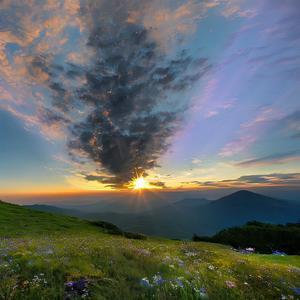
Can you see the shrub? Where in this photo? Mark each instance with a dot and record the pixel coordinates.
(264, 237)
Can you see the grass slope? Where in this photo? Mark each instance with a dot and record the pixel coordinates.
(41, 252)
(16, 220)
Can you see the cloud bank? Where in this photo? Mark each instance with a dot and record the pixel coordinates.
(108, 84)
(274, 179)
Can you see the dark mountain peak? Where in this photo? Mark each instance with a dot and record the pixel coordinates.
(250, 199)
(244, 194)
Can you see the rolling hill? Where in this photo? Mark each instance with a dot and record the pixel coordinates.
(16, 220)
(49, 256)
(181, 219)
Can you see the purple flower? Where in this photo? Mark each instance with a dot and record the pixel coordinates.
(145, 282)
(296, 290)
(179, 282)
(203, 293)
(158, 280)
(69, 284)
(79, 287)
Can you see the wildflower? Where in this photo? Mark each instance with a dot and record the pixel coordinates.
(167, 259)
(294, 269)
(143, 252)
(173, 285)
(25, 283)
(158, 280)
(296, 290)
(179, 282)
(79, 287)
(230, 284)
(250, 250)
(279, 253)
(180, 263)
(145, 282)
(283, 297)
(211, 267)
(39, 279)
(203, 293)
(190, 254)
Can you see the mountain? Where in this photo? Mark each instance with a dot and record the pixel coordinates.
(121, 203)
(243, 206)
(183, 218)
(191, 202)
(157, 221)
(182, 221)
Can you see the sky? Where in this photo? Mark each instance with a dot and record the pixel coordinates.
(189, 94)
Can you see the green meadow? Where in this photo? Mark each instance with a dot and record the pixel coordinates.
(47, 256)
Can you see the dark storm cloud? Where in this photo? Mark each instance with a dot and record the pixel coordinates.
(134, 89)
(50, 117)
(62, 96)
(107, 180)
(159, 184)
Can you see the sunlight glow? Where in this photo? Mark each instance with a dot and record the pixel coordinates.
(139, 183)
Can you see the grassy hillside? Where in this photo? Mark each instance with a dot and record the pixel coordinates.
(46, 256)
(19, 221)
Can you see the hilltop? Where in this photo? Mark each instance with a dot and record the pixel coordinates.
(16, 220)
(49, 256)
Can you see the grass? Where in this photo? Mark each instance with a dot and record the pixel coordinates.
(41, 252)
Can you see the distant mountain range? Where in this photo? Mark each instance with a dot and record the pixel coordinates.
(181, 219)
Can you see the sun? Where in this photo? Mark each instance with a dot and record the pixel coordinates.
(139, 183)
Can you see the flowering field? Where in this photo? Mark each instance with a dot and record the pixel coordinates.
(44, 256)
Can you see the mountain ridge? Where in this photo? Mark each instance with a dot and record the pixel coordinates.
(201, 216)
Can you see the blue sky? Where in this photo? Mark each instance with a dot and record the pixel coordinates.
(234, 121)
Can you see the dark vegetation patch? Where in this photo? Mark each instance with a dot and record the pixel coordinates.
(264, 237)
(113, 229)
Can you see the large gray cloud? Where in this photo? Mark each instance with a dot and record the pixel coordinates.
(133, 89)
